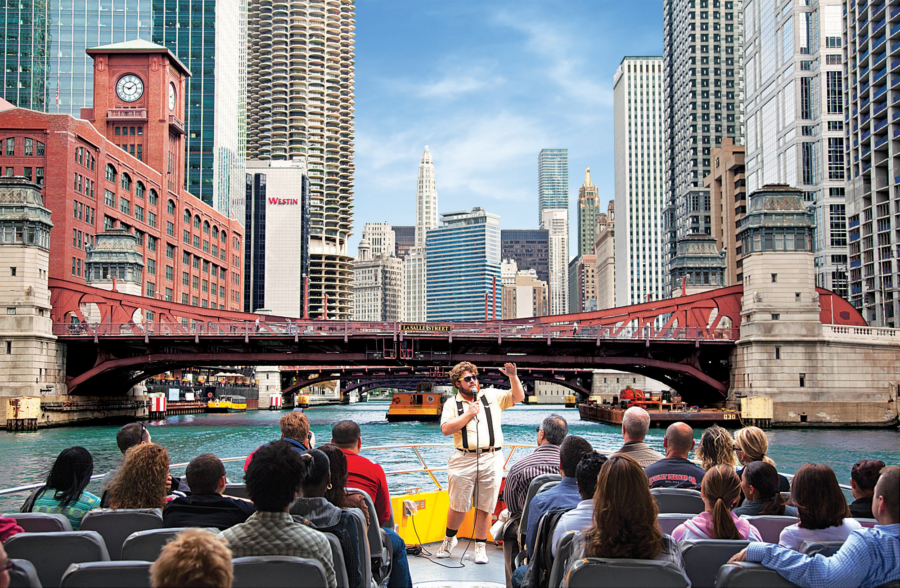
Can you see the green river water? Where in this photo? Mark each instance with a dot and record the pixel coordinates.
(26, 458)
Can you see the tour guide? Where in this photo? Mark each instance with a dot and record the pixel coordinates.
(475, 468)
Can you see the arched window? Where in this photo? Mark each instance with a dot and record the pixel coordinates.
(139, 190)
(223, 236)
(206, 227)
(187, 217)
(170, 207)
(215, 233)
(154, 198)
(196, 222)
(110, 173)
(126, 182)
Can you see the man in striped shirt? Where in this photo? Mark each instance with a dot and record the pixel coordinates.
(544, 460)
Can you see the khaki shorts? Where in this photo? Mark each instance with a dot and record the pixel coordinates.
(461, 473)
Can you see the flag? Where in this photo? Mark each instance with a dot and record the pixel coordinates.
(57, 92)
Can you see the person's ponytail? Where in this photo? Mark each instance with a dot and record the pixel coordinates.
(723, 524)
(721, 485)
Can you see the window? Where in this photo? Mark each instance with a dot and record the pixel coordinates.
(206, 227)
(833, 42)
(215, 232)
(774, 278)
(170, 228)
(140, 153)
(138, 212)
(29, 147)
(153, 197)
(125, 206)
(186, 237)
(196, 222)
(169, 272)
(126, 182)
(194, 301)
(777, 352)
(196, 263)
(775, 316)
(139, 190)
(195, 282)
(834, 96)
(222, 237)
(168, 295)
(27, 173)
(12, 271)
(151, 242)
(170, 207)
(39, 176)
(184, 298)
(835, 158)
(185, 258)
(205, 287)
(185, 279)
(11, 147)
(187, 217)
(151, 266)
(205, 266)
(151, 219)
(803, 381)
(40, 151)
(151, 290)
(170, 251)
(838, 225)
(197, 241)
(108, 223)
(110, 173)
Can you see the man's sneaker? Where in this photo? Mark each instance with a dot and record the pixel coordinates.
(446, 547)
(480, 553)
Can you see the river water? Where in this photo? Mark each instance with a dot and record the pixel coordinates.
(26, 457)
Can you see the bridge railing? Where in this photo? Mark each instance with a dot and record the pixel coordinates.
(396, 331)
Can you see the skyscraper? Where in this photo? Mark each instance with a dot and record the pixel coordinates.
(380, 237)
(529, 248)
(26, 48)
(588, 209)
(302, 106)
(553, 181)
(605, 253)
(795, 117)
(426, 199)
(703, 94)
(639, 159)
(415, 307)
(555, 221)
(377, 285)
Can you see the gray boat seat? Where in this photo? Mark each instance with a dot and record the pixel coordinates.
(749, 575)
(40, 522)
(23, 575)
(277, 571)
(236, 490)
(826, 548)
(341, 574)
(379, 545)
(704, 557)
(115, 525)
(147, 545)
(51, 553)
(364, 555)
(563, 555)
(770, 526)
(678, 500)
(669, 521)
(596, 572)
(108, 574)
(868, 523)
(534, 488)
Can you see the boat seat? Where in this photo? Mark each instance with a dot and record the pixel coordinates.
(597, 572)
(534, 488)
(341, 573)
(669, 521)
(379, 544)
(770, 526)
(115, 525)
(23, 575)
(236, 490)
(749, 575)
(826, 548)
(51, 553)
(678, 500)
(108, 574)
(147, 545)
(563, 555)
(277, 571)
(868, 523)
(40, 522)
(704, 557)
(363, 553)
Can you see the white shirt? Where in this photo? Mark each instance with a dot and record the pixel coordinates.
(578, 519)
(793, 536)
(477, 431)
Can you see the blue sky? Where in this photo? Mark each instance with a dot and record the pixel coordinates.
(486, 85)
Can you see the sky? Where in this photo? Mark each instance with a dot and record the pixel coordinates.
(487, 85)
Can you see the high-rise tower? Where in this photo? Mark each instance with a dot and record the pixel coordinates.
(301, 71)
(553, 181)
(426, 199)
(588, 209)
(415, 308)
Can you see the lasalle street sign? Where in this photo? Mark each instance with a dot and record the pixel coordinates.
(425, 328)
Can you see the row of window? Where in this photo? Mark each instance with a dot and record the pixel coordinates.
(35, 175)
(30, 147)
(82, 185)
(83, 212)
(84, 157)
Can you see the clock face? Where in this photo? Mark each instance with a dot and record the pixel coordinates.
(129, 88)
(171, 96)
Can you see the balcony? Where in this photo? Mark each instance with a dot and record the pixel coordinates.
(126, 115)
(176, 124)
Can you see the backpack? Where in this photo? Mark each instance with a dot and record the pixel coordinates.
(538, 574)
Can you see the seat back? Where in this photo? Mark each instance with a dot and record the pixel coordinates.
(51, 553)
(341, 573)
(363, 553)
(868, 523)
(23, 575)
(704, 557)
(108, 574)
(770, 526)
(669, 521)
(563, 554)
(534, 488)
(236, 490)
(147, 545)
(116, 525)
(826, 548)
(277, 571)
(596, 572)
(678, 500)
(373, 532)
(749, 575)
(40, 522)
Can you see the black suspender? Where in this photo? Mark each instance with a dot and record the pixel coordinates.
(487, 415)
(465, 436)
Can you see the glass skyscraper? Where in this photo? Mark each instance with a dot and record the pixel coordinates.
(24, 43)
(553, 180)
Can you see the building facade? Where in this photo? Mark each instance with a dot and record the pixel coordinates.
(873, 160)
(377, 286)
(583, 283)
(381, 239)
(529, 248)
(26, 53)
(553, 181)
(426, 199)
(703, 79)
(555, 222)
(404, 240)
(605, 256)
(588, 209)
(525, 296)
(699, 265)
(463, 259)
(288, 118)
(795, 117)
(640, 197)
(728, 192)
(415, 268)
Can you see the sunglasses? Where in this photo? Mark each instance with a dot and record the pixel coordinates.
(736, 448)
(469, 379)
(538, 430)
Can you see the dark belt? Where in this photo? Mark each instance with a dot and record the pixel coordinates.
(480, 451)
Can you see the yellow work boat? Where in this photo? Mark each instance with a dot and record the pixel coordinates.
(229, 403)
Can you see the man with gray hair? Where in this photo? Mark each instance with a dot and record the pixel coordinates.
(635, 425)
(676, 470)
(544, 460)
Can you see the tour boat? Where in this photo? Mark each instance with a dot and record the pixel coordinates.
(228, 403)
(422, 405)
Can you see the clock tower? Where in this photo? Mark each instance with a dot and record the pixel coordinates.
(139, 104)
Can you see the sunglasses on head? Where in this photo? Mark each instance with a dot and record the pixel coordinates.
(469, 379)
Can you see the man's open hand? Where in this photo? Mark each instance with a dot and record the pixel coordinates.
(509, 370)
(739, 556)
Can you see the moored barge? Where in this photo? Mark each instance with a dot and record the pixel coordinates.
(664, 409)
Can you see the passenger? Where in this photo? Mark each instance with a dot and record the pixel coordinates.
(368, 476)
(824, 514)
(751, 445)
(273, 481)
(322, 515)
(625, 514)
(720, 491)
(544, 460)
(128, 436)
(294, 430)
(563, 495)
(716, 448)
(863, 477)
(8, 528)
(195, 558)
(142, 480)
(337, 493)
(582, 516)
(207, 506)
(635, 424)
(676, 470)
(760, 486)
(64, 492)
(868, 558)
(5, 567)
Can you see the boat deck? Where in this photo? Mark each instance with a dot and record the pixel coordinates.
(427, 573)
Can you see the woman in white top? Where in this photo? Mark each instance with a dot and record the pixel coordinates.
(824, 514)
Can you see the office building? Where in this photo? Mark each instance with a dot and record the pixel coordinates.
(529, 248)
(404, 240)
(555, 222)
(525, 296)
(275, 250)
(703, 103)
(588, 209)
(582, 283)
(728, 193)
(426, 199)
(463, 259)
(873, 159)
(605, 258)
(415, 304)
(640, 197)
(377, 286)
(289, 117)
(795, 117)
(381, 239)
(553, 181)
(26, 51)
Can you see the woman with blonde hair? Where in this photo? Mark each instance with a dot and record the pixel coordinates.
(716, 447)
(720, 490)
(751, 444)
(142, 481)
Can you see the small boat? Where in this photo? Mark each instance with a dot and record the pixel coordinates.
(664, 409)
(227, 403)
(422, 405)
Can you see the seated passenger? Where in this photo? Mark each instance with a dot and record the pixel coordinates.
(823, 511)
(206, 506)
(563, 495)
(5, 567)
(64, 492)
(863, 477)
(720, 490)
(8, 528)
(128, 436)
(751, 445)
(676, 470)
(625, 518)
(294, 430)
(582, 516)
(195, 558)
(337, 493)
(143, 479)
(544, 460)
(760, 485)
(635, 424)
(868, 558)
(273, 481)
(716, 448)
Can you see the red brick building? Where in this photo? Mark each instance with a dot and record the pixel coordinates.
(123, 166)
